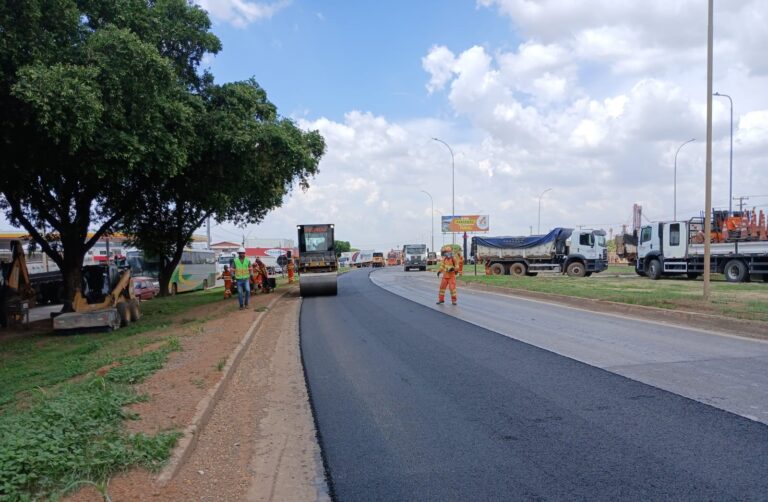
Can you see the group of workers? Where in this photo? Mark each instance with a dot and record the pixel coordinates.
(248, 277)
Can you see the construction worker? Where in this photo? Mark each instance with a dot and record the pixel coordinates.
(449, 267)
(291, 270)
(227, 276)
(262, 275)
(242, 277)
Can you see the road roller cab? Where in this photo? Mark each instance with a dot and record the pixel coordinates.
(317, 264)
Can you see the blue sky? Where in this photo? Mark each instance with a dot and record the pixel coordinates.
(324, 60)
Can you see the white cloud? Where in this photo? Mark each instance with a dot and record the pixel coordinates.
(241, 13)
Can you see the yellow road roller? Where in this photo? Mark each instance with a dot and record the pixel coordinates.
(318, 268)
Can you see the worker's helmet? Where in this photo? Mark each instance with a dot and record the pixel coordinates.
(241, 251)
(446, 250)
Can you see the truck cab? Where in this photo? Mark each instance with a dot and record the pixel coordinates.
(588, 247)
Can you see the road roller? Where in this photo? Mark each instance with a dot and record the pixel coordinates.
(318, 268)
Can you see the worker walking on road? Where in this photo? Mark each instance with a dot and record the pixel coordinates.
(227, 276)
(243, 277)
(449, 266)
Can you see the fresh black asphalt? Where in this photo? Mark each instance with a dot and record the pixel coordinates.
(411, 404)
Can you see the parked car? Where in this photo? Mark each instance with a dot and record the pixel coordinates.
(146, 288)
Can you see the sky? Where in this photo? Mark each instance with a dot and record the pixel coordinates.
(590, 99)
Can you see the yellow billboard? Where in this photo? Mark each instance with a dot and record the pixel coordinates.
(465, 223)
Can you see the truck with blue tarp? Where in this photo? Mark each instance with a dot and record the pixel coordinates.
(578, 253)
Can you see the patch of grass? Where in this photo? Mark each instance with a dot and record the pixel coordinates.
(744, 301)
(198, 382)
(220, 365)
(74, 436)
(134, 369)
(29, 362)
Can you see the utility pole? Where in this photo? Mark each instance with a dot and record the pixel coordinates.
(741, 202)
(708, 177)
(209, 231)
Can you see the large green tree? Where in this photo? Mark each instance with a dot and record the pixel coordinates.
(245, 160)
(97, 102)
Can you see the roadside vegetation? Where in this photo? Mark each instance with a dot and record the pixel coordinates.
(742, 301)
(62, 402)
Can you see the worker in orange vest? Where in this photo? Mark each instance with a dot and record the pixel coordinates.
(291, 271)
(227, 276)
(449, 267)
(262, 275)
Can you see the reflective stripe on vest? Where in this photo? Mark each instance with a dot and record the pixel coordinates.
(242, 268)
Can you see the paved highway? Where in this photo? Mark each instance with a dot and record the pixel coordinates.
(728, 372)
(412, 404)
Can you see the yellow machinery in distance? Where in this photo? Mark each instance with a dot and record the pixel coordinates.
(317, 265)
(17, 295)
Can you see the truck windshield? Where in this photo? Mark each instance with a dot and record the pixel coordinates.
(600, 240)
(415, 249)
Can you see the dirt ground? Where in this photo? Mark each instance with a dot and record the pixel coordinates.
(259, 443)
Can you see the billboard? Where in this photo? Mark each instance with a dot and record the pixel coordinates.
(465, 223)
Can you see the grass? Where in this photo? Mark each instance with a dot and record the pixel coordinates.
(75, 435)
(61, 425)
(743, 301)
(43, 360)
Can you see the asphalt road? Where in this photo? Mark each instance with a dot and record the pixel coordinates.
(412, 404)
(728, 372)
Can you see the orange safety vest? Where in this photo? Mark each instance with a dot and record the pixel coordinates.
(446, 264)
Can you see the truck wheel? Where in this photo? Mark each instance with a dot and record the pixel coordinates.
(497, 269)
(134, 309)
(654, 270)
(735, 271)
(517, 269)
(123, 313)
(576, 269)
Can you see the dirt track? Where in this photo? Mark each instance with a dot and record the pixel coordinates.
(259, 443)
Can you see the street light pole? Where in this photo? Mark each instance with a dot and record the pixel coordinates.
(708, 175)
(538, 226)
(730, 175)
(453, 186)
(433, 219)
(678, 151)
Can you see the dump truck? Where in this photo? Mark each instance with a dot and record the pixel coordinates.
(318, 268)
(415, 257)
(676, 248)
(578, 253)
(378, 260)
(106, 300)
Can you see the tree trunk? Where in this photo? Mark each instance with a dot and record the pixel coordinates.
(71, 273)
(166, 273)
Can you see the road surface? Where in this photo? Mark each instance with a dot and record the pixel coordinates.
(412, 404)
(728, 372)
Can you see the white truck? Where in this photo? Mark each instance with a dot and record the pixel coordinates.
(677, 248)
(415, 257)
(362, 259)
(578, 253)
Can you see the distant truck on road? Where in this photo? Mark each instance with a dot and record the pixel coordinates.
(378, 260)
(362, 259)
(415, 256)
(578, 253)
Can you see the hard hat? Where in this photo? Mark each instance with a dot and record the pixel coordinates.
(241, 250)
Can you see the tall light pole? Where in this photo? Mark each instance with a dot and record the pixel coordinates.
(538, 227)
(453, 186)
(708, 175)
(678, 151)
(730, 175)
(433, 219)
